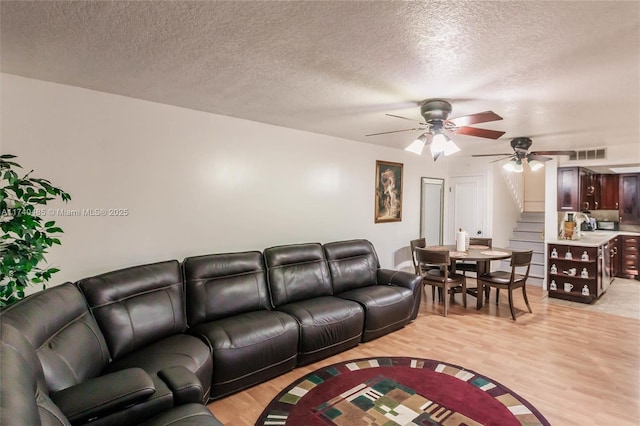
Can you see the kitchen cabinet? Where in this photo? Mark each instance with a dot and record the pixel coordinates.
(615, 257)
(578, 189)
(574, 273)
(609, 192)
(629, 256)
(568, 188)
(589, 190)
(629, 196)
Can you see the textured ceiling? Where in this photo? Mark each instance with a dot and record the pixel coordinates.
(566, 72)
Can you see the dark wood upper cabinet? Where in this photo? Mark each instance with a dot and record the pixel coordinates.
(568, 188)
(629, 198)
(609, 192)
(578, 189)
(589, 190)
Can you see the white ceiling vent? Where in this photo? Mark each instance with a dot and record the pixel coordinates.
(589, 154)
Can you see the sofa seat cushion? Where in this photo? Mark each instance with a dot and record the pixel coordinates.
(386, 308)
(177, 350)
(328, 325)
(250, 348)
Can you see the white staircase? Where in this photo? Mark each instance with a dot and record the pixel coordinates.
(529, 234)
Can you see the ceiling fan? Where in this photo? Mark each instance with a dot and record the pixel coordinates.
(438, 124)
(521, 152)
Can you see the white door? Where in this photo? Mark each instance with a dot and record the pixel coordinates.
(466, 206)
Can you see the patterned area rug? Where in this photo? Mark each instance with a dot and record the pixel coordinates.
(398, 391)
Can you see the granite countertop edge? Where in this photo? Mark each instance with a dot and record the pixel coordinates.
(591, 238)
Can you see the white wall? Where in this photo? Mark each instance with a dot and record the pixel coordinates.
(193, 182)
(534, 194)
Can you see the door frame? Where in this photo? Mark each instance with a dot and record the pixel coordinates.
(435, 181)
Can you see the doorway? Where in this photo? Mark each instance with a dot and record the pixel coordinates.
(467, 195)
(431, 210)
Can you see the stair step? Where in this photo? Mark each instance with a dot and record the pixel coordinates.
(537, 281)
(537, 258)
(532, 217)
(526, 245)
(530, 226)
(527, 235)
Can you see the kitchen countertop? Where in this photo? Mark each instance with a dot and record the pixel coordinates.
(591, 238)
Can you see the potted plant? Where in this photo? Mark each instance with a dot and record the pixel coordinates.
(26, 236)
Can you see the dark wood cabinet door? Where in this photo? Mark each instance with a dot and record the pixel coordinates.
(615, 256)
(609, 192)
(589, 190)
(568, 189)
(630, 199)
(629, 256)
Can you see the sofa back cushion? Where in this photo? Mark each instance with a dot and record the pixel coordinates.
(353, 264)
(297, 272)
(58, 326)
(137, 306)
(221, 285)
(23, 401)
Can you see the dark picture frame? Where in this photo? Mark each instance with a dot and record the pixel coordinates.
(388, 198)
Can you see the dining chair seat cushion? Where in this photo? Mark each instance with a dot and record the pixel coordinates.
(438, 276)
(501, 277)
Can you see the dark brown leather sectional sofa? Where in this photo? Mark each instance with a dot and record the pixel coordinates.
(151, 344)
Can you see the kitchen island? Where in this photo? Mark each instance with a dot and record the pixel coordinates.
(581, 270)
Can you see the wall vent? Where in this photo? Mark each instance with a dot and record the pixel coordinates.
(589, 154)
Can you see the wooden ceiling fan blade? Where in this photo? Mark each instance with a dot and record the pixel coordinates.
(480, 117)
(481, 133)
(396, 131)
(490, 155)
(500, 159)
(567, 152)
(406, 118)
(535, 156)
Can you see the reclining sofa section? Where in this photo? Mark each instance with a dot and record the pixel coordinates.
(149, 344)
(56, 370)
(228, 305)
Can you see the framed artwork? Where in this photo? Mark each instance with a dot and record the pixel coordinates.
(388, 200)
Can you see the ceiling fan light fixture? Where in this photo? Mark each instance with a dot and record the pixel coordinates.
(418, 145)
(450, 147)
(513, 166)
(535, 165)
(438, 144)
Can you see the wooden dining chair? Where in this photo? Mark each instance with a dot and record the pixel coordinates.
(414, 244)
(465, 266)
(421, 243)
(440, 277)
(511, 280)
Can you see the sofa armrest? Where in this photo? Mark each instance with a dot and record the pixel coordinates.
(403, 279)
(103, 395)
(399, 278)
(185, 385)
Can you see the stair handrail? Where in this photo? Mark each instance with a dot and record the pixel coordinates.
(515, 183)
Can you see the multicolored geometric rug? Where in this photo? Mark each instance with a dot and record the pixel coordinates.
(398, 391)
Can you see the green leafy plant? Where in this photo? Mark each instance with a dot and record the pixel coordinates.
(25, 235)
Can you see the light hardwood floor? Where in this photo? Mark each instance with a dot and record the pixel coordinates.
(577, 367)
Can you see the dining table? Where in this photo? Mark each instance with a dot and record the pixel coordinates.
(482, 255)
